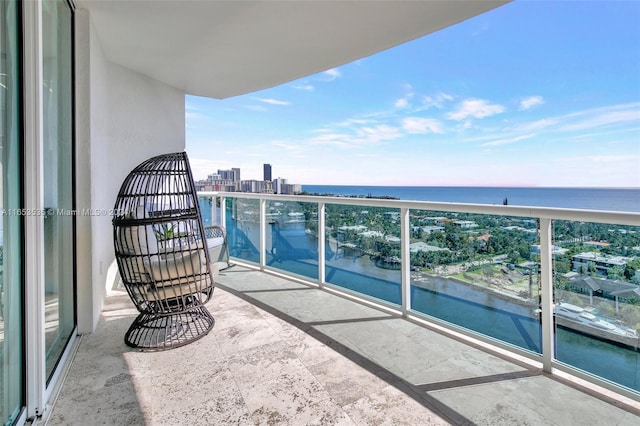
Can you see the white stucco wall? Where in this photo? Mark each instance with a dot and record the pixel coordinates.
(123, 118)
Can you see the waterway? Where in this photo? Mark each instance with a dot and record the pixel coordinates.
(464, 305)
(515, 323)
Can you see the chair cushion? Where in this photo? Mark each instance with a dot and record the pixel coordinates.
(173, 291)
(215, 242)
(138, 239)
(166, 268)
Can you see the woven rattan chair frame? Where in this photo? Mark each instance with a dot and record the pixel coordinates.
(162, 254)
(218, 247)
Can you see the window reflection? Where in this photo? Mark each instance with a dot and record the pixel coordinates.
(11, 324)
(58, 179)
(597, 299)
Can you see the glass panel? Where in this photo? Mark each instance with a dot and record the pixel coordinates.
(243, 228)
(597, 299)
(479, 272)
(58, 178)
(363, 250)
(292, 239)
(209, 211)
(11, 302)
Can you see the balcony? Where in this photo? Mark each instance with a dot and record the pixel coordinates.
(310, 334)
(282, 352)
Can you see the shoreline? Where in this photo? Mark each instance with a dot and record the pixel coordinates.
(629, 342)
(502, 294)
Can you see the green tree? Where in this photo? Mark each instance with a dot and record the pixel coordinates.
(606, 309)
(615, 273)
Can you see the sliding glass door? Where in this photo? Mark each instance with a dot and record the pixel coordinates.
(57, 22)
(26, 375)
(11, 296)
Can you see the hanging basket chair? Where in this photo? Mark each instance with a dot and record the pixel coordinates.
(162, 255)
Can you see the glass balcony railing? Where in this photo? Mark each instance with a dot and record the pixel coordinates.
(477, 272)
(291, 240)
(559, 286)
(362, 251)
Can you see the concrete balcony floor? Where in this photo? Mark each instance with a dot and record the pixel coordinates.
(285, 353)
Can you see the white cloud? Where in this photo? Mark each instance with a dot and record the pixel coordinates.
(307, 87)
(595, 120)
(508, 140)
(291, 148)
(601, 117)
(537, 125)
(358, 136)
(530, 102)
(332, 74)
(335, 139)
(352, 121)
(604, 124)
(422, 125)
(478, 108)
(272, 101)
(402, 103)
(436, 101)
(378, 133)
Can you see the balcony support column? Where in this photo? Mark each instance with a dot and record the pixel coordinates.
(546, 285)
(321, 244)
(223, 211)
(214, 219)
(405, 241)
(263, 233)
(214, 216)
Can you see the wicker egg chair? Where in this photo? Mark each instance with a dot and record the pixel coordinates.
(161, 252)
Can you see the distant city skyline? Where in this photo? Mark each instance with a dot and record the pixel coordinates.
(230, 180)
(530, 94)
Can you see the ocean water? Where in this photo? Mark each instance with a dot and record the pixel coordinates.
(614, 199)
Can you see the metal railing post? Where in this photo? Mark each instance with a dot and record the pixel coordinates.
(263, 232)
(321, 244)
(223, 211)
(214, 217)
(546, 286)
(405, 240)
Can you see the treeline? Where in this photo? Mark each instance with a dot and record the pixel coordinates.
(379, 197)
(511, 237)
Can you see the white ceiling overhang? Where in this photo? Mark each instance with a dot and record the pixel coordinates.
(221, 49)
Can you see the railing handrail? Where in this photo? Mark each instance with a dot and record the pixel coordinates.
(553, 213)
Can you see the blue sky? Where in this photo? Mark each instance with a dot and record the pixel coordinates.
(534, 93)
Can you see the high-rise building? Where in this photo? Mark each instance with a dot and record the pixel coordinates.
(267, 172)
(232, 175)
(277, 185)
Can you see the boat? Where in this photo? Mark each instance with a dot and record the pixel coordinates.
(582, 316)
(579, 319)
